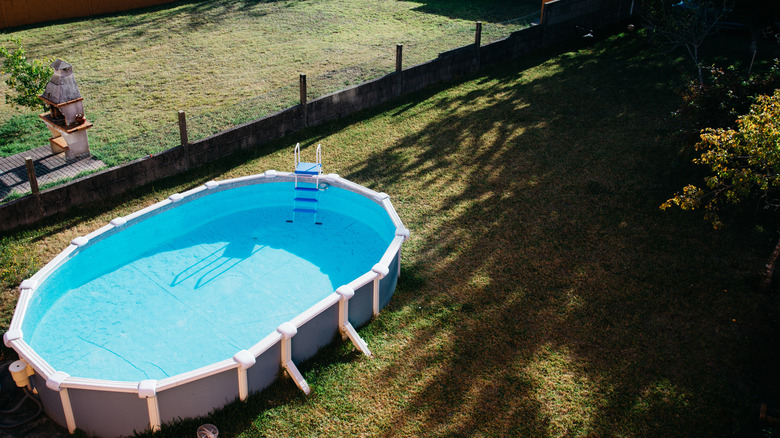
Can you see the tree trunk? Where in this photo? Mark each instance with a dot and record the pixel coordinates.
(698, 64)
(766, 282)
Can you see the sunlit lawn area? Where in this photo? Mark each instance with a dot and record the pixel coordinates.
(137, 69)
(543, 293)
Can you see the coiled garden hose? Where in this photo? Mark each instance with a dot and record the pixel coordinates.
(27, 395)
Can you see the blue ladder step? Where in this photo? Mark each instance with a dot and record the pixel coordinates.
(308, 168)
(307, 189)
(305, 200)
(304, 210)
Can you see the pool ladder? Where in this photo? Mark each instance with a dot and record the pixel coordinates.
(307, 193)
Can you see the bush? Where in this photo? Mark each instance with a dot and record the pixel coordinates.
(26, 78)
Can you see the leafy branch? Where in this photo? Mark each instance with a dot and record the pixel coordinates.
(744, 164)
(26, 78)
(688, 23)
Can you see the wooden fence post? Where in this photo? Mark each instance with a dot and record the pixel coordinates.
(302, 84)
(185, 141)
(399, 55)
(477, 43)
(399, 62)
(28, 161)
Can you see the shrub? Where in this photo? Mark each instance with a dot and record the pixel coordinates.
(26, 78)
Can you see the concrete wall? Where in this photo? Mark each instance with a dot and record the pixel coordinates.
(15, 13)
(559, 22)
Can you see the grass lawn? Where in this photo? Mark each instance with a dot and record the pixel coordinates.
(543, 292)
(137, 69)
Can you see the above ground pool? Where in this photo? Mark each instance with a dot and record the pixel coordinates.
(203, 298)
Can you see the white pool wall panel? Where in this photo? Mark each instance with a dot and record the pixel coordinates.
(196, 374)
(199, 397)
(388, 283)
(361, 305)
(266, 369)
(97, 413)
(310, 313)
(52, 403)
(315, 334)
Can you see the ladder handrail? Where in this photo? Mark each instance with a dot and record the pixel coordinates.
(306, 170)
(297, 157)
(319, 164)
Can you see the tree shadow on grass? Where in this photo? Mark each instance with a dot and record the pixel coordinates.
(543, 293)
(151, 23)
(499, 10)
(559, 300)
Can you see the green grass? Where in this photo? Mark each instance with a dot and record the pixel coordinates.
(137, 70)
(22, 132)
(543, 292)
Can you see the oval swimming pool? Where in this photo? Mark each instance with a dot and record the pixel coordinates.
(203, 298)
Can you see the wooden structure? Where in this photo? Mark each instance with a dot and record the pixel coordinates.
(65, 118)
(14, 13)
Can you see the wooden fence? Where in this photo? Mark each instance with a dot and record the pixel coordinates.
(14, 13)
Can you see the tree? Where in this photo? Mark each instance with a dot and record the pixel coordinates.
(744, 164)
(728, 94)
(758, 17)
(687, 23)
(26, 78)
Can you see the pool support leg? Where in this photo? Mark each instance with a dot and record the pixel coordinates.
(148, 389)
(381, 271)
(245, 360)
(356, 339)
(346, 329)
(288, 330)
(55, 384)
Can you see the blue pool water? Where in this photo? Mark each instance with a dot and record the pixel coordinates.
(195, 284)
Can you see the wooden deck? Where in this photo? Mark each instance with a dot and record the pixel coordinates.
(49, 167)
